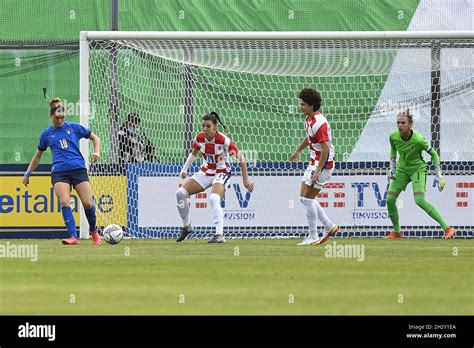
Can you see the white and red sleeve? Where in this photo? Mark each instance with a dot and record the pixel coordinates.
(322, 135)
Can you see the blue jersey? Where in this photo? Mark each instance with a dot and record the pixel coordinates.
(64, 144)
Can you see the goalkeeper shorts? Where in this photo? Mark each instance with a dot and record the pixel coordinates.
(402, 179)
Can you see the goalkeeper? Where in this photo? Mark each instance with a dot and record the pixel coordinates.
(411, 167)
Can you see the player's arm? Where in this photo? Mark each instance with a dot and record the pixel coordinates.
(393, 160)
(438, 180)
(33, 165)
(303, 145)
(243, 167)
(191, 157)
(96, 141)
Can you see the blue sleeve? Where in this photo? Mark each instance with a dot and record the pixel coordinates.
(82, 131)
(42, 144)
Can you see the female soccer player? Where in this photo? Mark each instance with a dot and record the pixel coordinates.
(68, 168)
(321, 166)
(411, 167)
(215, 172)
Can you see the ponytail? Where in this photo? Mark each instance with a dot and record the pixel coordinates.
(214, 117)
(213, 113)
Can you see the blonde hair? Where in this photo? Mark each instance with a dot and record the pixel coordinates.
(406, 113)
(54, 104)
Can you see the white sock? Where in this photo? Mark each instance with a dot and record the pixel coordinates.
(311, 216)
(183, 206)
(217, 213)
(328, 224)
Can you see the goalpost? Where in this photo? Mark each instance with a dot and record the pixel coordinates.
(252, 79)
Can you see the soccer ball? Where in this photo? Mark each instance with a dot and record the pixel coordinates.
(113, 234)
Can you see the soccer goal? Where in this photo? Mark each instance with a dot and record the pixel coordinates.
(252, 79)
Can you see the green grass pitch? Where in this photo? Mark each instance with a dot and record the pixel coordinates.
(267, 277)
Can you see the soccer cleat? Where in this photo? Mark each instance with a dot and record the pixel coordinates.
(449, 233)
(185, 231)
(394, 235)
(331, 233)
(218, 238)
(309, 241)
(70, 241)
(95, 238)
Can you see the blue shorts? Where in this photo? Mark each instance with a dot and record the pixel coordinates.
(72, 177)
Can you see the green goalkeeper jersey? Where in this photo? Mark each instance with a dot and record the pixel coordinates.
(411, 158)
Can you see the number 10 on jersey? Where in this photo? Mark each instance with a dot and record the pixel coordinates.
(63, 143)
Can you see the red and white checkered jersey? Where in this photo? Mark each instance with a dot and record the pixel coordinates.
(215, 152)
(319, 131)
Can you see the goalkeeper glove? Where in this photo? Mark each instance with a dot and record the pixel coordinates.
(438, 180)
(391, 172)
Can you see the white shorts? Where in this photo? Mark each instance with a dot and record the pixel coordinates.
(323, 178)
(207, 181)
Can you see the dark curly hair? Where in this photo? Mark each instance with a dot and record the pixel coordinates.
(311, 97)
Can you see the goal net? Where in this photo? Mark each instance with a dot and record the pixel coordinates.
(147, 92)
